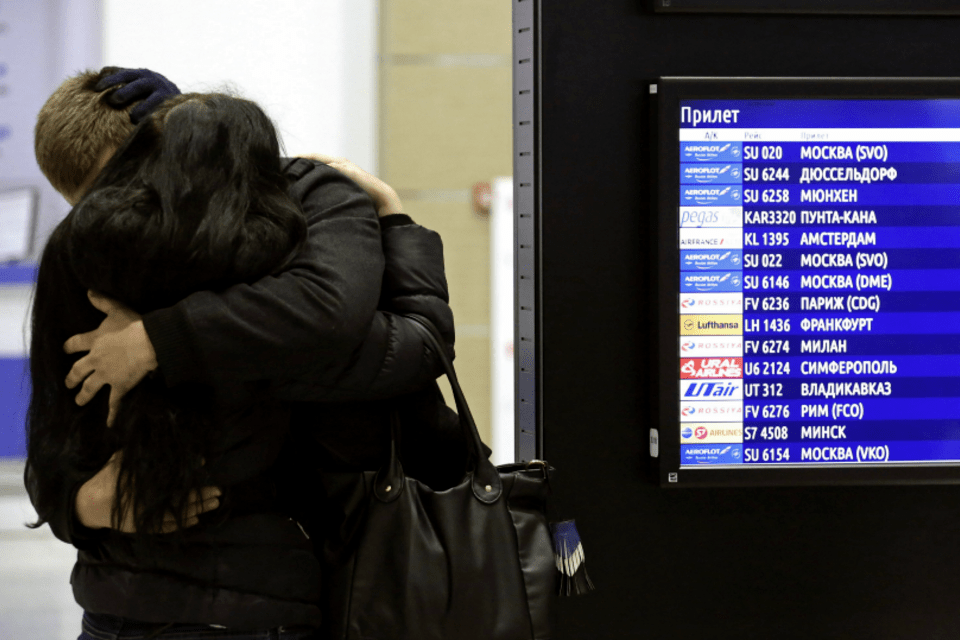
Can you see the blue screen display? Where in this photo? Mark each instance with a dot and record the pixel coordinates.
(820, 282)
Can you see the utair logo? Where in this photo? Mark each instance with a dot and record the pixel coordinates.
(687, 303)
(711, 389)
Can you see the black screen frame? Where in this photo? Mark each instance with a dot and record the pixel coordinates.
(863, 7)
(665, 112)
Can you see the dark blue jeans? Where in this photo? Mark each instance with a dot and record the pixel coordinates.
(98, 626)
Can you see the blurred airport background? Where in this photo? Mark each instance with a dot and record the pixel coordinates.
(416, 91)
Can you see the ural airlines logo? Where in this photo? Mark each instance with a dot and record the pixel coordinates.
(698, 368)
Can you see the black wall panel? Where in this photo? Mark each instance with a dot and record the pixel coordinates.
(854, 562)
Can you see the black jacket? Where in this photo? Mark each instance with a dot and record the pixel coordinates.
(308, 335)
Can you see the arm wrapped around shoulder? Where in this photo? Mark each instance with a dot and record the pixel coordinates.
(414, 279)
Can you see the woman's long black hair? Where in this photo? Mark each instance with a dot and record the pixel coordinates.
(194, 200)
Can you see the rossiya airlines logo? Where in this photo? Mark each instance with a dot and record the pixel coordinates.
(688, 303)
(688, 411)
(711, 347)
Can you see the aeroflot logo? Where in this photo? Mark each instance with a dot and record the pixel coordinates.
(708, 174)
(707, 152)
(707, 148)
(702, 195)
(712, 451)
(711, 257)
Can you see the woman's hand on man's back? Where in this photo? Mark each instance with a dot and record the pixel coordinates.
(96, 503)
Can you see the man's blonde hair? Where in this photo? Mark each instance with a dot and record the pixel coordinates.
(75, 128)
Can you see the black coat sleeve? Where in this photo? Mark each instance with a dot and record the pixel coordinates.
(314, 331)
(315, 313)
(394, 359)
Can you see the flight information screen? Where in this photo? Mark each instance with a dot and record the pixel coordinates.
(943, 7)
(818, 304)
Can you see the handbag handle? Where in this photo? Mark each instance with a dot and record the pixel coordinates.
(486, 479)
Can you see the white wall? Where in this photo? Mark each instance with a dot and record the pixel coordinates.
(311, 64)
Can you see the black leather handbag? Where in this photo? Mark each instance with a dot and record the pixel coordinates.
(473, 562)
